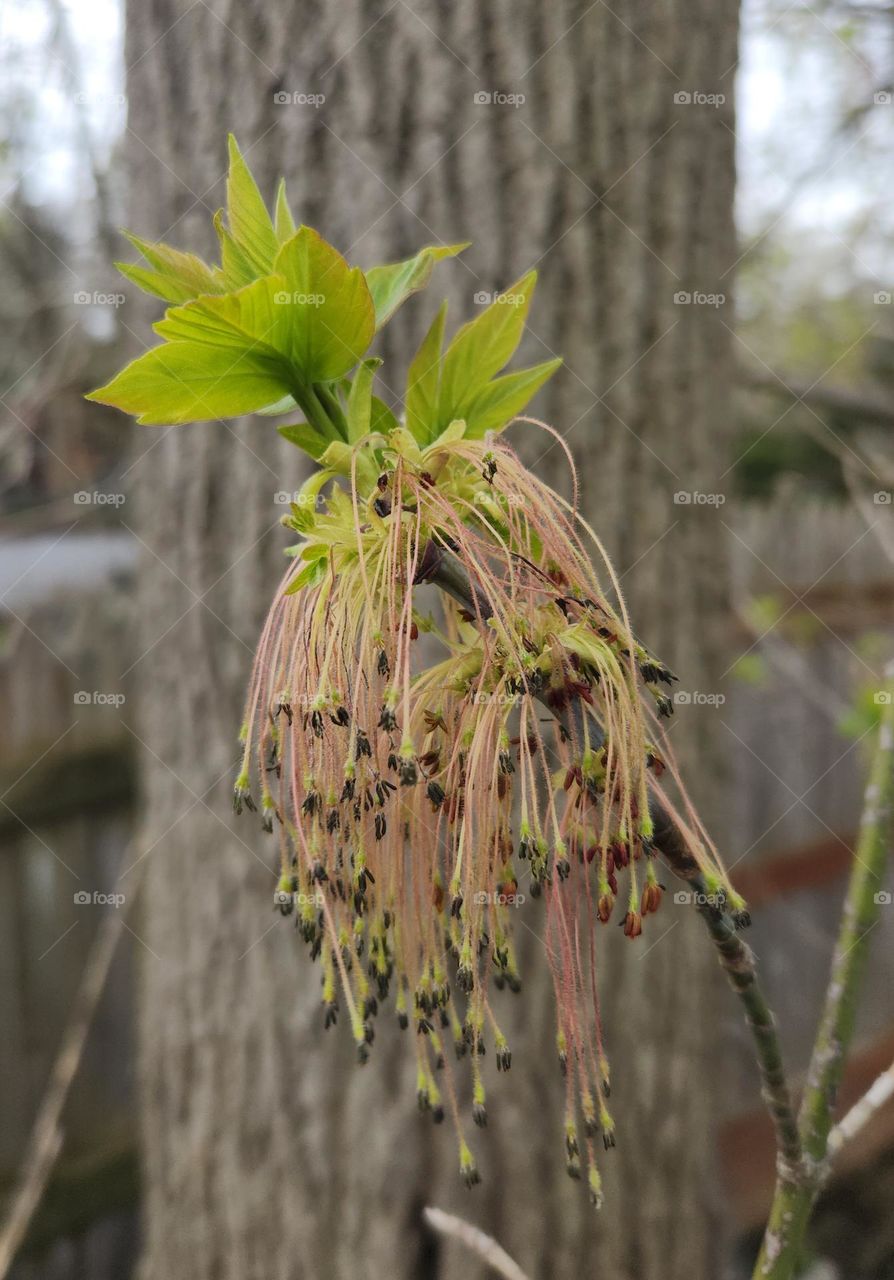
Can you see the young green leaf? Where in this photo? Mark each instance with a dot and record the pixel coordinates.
(482, 347)
(283, 222)
(251, 317)
(360, 400)
(236, 266)
(392, 284)
(311, 575)
(331, 310)
(423, 378)
(247, 216)
(171, 275)
(192, 381)
(382, 420)
(316, 316)
(342, 459)
(502, 398)
(305, 437)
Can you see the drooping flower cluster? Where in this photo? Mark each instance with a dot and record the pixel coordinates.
(447, 715)
(419, 802)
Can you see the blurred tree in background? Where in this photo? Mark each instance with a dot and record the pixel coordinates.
(267, 1152)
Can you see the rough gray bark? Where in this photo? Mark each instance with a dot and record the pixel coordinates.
(267, 1153)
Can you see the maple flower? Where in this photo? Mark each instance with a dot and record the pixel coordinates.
(448, 713)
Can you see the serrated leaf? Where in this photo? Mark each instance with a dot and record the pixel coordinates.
(249, 222)
(392, 284)
(171, 275)
(237, 267)
(191, 382)
(423, 378)
(482, 347)
(501, 399)
(360, 400)
(305, 437)
(333, 319)
(249, 317)
(283, 222)
(319, 336)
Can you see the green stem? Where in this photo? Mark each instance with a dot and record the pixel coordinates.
(736, 957)
(798, 1186)
(333, 409)
(322, 410)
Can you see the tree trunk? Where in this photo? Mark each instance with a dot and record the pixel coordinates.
(268, 1153)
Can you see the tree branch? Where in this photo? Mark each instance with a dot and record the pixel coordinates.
(47, 1135)
(442, 568)
(798, 1187)
(860, 1114)
(474, 1239)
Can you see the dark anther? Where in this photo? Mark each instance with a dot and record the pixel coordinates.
(407, 771)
